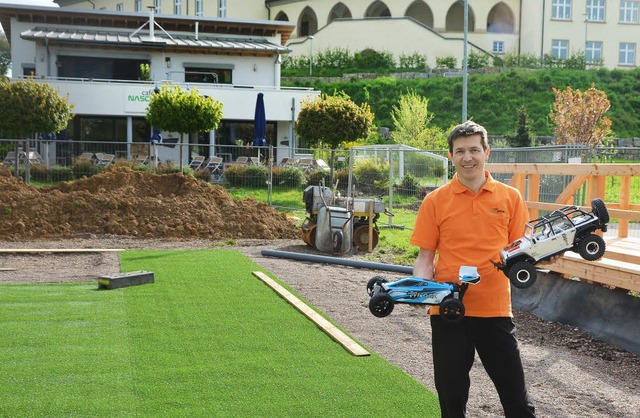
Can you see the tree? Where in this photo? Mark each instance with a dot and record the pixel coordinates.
(5, 54)
(29, 108)
(175, 110)
(579, 117)
(333, 120)
(522, 136)
(411, 121)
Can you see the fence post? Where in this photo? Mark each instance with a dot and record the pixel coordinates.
(270, 176)
(390, 218)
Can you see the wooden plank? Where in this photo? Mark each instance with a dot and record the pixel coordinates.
(7, 269)
(605, 271)
(59, 250)
(134, 278)
(566, 169)
(340, 337)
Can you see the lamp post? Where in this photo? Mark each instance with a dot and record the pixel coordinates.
(310, 38)
(465, 57)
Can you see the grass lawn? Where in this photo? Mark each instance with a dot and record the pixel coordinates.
(206, 339)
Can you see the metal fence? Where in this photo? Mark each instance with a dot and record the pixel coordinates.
(400, 175)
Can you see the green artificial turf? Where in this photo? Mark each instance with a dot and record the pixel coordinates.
(206, 339)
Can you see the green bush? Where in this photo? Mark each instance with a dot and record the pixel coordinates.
(370, 58)
(409, 186)
(413, 62)
(246, 176)
(61, 173)
(478, 60)
(371, 176)
(287, 176)
(39, 172)
(446, 62)
(84, 167)
(315, 177)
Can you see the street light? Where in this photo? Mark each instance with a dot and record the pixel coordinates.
(310, 38)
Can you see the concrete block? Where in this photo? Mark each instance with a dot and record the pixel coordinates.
(125, 279)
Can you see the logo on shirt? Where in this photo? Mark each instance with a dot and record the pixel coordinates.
(496, 210)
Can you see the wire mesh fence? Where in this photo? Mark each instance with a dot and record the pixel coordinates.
(400, 175)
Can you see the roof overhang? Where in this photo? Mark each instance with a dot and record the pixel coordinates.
(109, 20)
(142, 40)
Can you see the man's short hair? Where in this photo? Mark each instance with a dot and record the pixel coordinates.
(468, 128)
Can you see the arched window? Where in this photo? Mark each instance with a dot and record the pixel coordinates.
(420, 11)
(282, 17)
(501, 19)
(455, 18)
(307, 23)
(339, 11)
(377, 9)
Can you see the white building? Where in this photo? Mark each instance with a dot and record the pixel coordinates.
(95, 58)
(607, 31)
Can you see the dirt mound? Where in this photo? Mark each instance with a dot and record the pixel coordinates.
(121, 201)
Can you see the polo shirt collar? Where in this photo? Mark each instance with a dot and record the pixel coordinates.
(489, 185)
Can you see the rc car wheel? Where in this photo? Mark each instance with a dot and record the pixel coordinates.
(337, 241)
(451, 310)
(600, 210)
(381, 304)
(591, 247)
(374, 281)
(522, 275)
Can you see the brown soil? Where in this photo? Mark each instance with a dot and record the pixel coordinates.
(125, 202)
(570, 374)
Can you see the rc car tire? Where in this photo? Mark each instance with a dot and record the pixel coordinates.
(522, 275)
(591, 247)
(381, 304)
(374, 281)
(600, 210)
(451, 310)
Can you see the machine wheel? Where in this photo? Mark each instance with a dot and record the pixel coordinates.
(374, 281)
(591, 247)
(451, 310)
(381, 304)
(361, 237)
(600, 210)
(309, 235)
(522, 275)
(337, 241)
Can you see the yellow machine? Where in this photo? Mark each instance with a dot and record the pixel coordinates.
(340, 220)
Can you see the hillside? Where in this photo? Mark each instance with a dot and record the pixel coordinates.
(494, 99)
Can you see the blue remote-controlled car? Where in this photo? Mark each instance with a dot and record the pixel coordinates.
(414, 290)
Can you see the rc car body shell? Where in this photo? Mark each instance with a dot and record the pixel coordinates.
(569, 228)
(414, 290)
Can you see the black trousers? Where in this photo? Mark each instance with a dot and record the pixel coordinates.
(454, 347)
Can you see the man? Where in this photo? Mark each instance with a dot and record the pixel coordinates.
(467, 222)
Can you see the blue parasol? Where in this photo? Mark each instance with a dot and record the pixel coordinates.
(260, 123)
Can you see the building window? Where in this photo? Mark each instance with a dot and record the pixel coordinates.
(560, 48)
(158, 6)
(222, 8)
(627, 54)
(137, 6)
(593, 52)
(498, 47)
(119, 7)
(629, 11)
(199, 8)
(207, 75)
(177, 7)
(561, 9)
(595, 10)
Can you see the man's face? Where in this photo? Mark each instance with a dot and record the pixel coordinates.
(468, 157)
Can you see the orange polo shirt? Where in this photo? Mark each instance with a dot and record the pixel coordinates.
(468, 229)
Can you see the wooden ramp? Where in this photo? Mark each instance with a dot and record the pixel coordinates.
(620, 266)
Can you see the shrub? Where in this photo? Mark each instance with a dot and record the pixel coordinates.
(413, 62)
(478, 60)
(370, 58)
(288, 176)
(372, 176)
(61, 173)
(84, 167)
(315, 177)
(446, 62)
(409, 186)
(246, 176)
(39, 172)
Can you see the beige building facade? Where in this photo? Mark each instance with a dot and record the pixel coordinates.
(607, 31)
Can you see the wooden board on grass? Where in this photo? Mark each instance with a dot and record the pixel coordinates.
(340, 337)
(58, 250)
